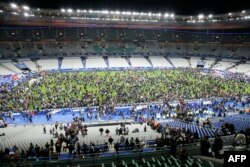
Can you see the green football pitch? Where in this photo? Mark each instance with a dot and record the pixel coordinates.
(75, 89)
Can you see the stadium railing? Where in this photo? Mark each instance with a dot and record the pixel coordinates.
(97, 159)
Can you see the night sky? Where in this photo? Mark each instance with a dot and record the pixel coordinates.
(179, 7)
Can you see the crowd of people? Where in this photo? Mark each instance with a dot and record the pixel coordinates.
(171, 134)
(66, 139)
(108, 88)
(215, 149)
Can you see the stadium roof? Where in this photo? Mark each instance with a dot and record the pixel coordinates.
(22, 14)
(180, 7)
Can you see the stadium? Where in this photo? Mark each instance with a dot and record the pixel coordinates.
(99, 87)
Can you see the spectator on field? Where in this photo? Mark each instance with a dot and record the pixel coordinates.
(122, 139)
(56, 125)
(205, 147)
(44, 129)
(217, 146)
(47, 145)
(127, 143)
(116, 147)
(101, 131)
(173, 147)
(117, 131)
(78, 149)
(240, 139)
(110, 141)
(51, 143)
(183, 156)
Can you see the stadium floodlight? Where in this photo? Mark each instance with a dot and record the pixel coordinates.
(69, 10)
(128, 13)
(210, 16)
(14, 13)
(90, 11)
(134, 13)
(166, 15)
(230, 14)
(13, 5)
(200, 16)
(25, 7)
(159, 14)
(117, 12)
(78, 10)
(149, 14)
(25, 14)
(172, 15)
(105, 12)
(63, 10)
(243, 11)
